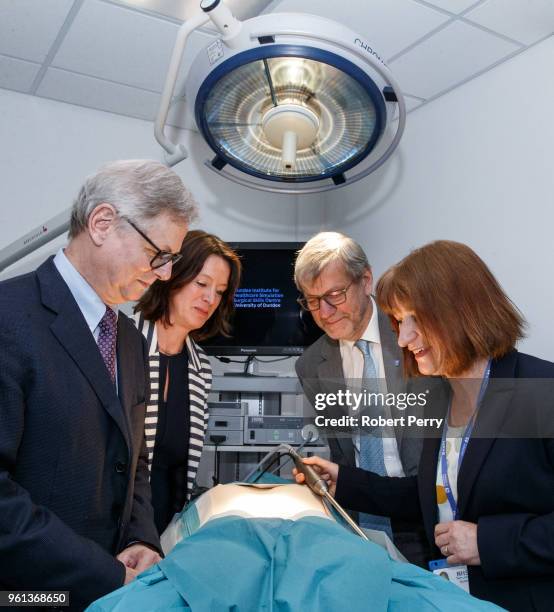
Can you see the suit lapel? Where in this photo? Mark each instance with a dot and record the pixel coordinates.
(329, 370)
(331, 378)
(392, 357)
(490, 418)
(489, 421)
(72, 332)
(126, 377)
(437, 404)
(427, 483)
(194, 358)
(197, 382)
(148, 329)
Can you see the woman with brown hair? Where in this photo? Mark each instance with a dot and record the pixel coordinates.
(485, 488)
(193, 305)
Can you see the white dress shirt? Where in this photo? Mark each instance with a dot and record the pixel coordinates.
(353, 369)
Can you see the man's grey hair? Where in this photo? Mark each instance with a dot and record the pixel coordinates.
(325, 248)
(139, 189)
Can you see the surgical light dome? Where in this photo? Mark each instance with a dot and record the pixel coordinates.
(289, 103)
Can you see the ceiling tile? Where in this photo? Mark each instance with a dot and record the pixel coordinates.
(96, 93)
(411, 103)
(123, 45)
(29, 27)
(17, 74)
(107, 96)
(525, 20)
(448, 58)
(453, 6)
(388, 25)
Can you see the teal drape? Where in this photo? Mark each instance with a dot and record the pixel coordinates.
(275, 565)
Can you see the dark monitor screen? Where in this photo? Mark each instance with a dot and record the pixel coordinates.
(267, 320)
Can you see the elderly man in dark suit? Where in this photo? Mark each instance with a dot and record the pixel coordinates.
(75, 511)
(358, 349)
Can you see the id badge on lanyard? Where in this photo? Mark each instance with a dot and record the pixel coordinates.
(457, 574)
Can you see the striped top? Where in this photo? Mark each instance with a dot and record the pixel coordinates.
(200, 382)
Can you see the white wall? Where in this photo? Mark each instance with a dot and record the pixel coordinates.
(477, 166)
(48, 147)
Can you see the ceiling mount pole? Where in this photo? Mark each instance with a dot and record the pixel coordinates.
(175, 152)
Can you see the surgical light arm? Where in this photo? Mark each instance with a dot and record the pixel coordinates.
(221, 17)
(34, 239)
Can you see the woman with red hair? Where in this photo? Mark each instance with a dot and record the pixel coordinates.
(485, 488)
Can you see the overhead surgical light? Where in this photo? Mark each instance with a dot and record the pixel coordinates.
(288, 102)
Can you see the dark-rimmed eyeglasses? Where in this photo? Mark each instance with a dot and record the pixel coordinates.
(161, 258)
(333, 298)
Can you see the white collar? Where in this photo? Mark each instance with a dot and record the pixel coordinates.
(89, 302)
(371, 333)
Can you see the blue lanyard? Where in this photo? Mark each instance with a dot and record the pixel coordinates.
(465, 441)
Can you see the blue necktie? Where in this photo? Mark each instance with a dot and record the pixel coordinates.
(371, 447)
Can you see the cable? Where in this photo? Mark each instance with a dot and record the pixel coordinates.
(289, 457)
(253, 357)
(249, 366)
(216, 440)
(276, 457)
(227, 360)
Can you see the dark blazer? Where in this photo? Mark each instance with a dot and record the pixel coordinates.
(73, 477)
(505, 486)
(319, 370)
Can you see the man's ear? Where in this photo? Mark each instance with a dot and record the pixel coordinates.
(101, 222)
(367, 280)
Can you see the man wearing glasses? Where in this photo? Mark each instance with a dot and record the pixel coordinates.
(75, 511)
(358, 351)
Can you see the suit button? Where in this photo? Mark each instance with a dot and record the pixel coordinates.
(120, 467)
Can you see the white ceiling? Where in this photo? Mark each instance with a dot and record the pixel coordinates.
(113, 56)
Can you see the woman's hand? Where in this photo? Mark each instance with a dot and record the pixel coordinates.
(138, 557)
(457, 541)
(328, 470)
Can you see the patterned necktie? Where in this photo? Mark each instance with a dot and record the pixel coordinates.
(371, 447)
(107, 340)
